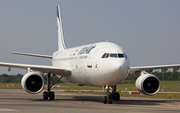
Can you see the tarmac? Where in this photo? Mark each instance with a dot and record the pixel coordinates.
(19, 101)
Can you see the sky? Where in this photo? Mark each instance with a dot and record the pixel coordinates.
(148, 30)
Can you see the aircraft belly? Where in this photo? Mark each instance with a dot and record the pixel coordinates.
(103, 79)
(78, 77)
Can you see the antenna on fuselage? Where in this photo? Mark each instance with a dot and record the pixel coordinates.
(61, 44)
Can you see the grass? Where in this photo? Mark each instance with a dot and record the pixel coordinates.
(166, 86)
(10, 86)
(170, 86)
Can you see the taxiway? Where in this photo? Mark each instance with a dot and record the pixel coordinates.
(17, 100)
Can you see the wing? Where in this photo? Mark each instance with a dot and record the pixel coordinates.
(41, 68)
(34, 55)
(163, 68)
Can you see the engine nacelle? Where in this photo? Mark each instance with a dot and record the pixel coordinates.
(32, 82)
(148, 84)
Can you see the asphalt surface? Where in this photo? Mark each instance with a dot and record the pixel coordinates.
(18, 101)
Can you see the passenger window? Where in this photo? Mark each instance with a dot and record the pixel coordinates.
(120, 56)
(113, 55)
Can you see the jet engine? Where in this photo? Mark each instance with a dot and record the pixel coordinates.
(148, 84)
(32, 82)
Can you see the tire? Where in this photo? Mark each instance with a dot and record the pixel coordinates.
(110, 99)
(116, 96)
(105, 99)
(45, 95)
(51, 95)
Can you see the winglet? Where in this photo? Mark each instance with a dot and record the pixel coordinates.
(61, 44)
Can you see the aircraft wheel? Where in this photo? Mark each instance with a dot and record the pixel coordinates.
(51, 95)
(105, 99)
(110, 99)
(116, 96)
(45, 95)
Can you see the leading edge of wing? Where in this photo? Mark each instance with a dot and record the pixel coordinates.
(41, 68)
(34, 55)
(163, 68)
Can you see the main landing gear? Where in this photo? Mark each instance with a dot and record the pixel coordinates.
(49, 94)
(111, 95)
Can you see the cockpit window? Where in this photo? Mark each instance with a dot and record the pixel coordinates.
(120, 55)
(113, 55)
(105, 55)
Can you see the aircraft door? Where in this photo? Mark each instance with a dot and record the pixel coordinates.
(90, 58)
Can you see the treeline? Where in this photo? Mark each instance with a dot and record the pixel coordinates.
(171, 76)
(4, 78)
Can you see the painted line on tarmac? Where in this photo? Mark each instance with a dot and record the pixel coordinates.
(172, 104)
(55, 94)
(6, 109)
(2, 94)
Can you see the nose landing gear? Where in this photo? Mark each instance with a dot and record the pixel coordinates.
(111, 95)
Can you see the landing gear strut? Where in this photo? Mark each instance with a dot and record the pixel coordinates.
(49, 94)
(111, 95)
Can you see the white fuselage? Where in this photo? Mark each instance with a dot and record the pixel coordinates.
(97, 64)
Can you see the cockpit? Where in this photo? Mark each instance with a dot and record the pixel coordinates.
(113, 55)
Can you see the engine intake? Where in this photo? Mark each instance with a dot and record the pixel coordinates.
(148, 84)
(32, 82)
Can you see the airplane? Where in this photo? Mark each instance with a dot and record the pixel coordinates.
(102, 64)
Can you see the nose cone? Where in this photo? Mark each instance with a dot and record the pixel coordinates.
(119, 69)
(124, 63)
(122, 67)
(125, 67)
